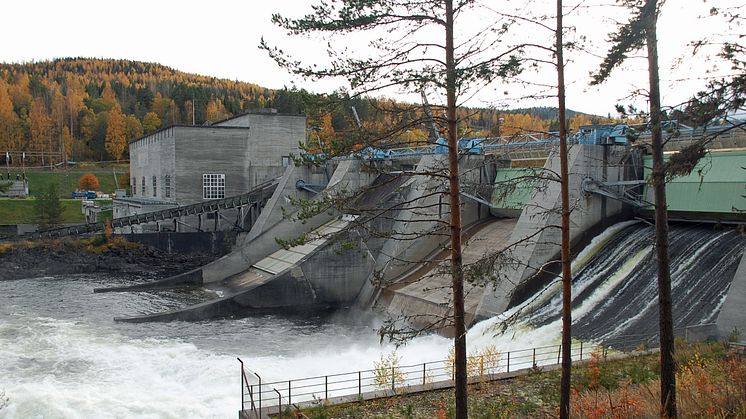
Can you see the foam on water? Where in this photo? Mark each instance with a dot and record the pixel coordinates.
(54, 368)
(78, 364)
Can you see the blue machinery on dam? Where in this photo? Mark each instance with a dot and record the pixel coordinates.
(352, 258)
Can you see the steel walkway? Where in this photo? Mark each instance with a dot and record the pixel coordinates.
(257, 196)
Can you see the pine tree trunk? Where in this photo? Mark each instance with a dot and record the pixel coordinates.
(457, 271)
(665, 316)
(565, 193)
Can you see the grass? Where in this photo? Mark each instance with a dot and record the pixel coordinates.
(67, 181)
(710, 383)
(21, 211)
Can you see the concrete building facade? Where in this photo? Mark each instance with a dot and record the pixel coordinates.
(183, 164)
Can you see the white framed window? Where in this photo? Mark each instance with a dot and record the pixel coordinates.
(285, 161)
(142, 192)
(155, 186)
(167, 186)
(213, 186)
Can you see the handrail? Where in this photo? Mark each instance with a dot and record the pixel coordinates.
(258, 193)
(392, 379)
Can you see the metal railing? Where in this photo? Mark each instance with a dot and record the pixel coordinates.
(389, 379)
(259, 194)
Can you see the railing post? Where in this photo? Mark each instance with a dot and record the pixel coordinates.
(581, 350)
(290, 397)
(534, 358)
(326, 387)
(559, 353)
(508, 362)
(359, 384)
(260, 394)
(393, 385)
(279, 403)
(424, 372)
(243, 402)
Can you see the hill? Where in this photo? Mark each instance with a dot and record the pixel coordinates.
(86, 109)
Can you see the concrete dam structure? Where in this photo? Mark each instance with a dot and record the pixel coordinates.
(373, 233)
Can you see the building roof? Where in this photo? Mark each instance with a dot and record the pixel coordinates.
(261, 111)
(184, 126)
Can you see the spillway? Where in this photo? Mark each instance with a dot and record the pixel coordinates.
(615, 281)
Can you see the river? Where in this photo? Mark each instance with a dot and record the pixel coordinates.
(63, 356)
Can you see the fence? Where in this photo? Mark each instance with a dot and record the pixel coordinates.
(390, 378)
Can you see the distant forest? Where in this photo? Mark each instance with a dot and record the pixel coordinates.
(88, 109)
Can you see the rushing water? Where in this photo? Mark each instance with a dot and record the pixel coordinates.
(62, 356)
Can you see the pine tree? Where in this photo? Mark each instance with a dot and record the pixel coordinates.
(641, 32)
(47, 208)
(404, 57)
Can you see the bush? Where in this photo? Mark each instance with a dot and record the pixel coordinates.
(387, 372)
(48, 208)
(89, 182)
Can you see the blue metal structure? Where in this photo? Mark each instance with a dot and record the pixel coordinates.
(610, 134)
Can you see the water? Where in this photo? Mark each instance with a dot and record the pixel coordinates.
(62, 356)
(615, 291)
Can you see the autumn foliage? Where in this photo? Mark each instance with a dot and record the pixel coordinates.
(89, 182)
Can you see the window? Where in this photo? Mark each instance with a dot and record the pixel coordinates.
(167, 186)
(213, 186)
(134, 186)
(155, 186)
(142, 192)
(285, 161)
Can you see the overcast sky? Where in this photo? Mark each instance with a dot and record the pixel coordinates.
(220, 37)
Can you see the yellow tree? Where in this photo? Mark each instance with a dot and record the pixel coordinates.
(73, 99)
(151, 122)
(216, 110)
(41, 125)
(116, 139)
(132, 127)
(87, 124)
(9, 122)
(326, 131)
(579, 120)
(19, 92)
(109, 97)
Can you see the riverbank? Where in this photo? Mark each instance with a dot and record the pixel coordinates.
(29, 259)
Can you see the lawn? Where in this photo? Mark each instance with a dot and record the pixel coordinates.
(21, 211)
(67, 180)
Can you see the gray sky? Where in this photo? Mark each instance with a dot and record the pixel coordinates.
(219, 38)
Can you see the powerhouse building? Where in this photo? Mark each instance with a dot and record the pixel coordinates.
(186, 164)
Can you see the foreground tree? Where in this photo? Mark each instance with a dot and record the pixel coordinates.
(640, 32)
(405, 56)
(565, 197)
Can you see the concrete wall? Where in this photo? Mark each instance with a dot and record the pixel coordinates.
(732, 313)
(153, 155)
(330, 277)
(212, 243)
(535, 241)
(277, 221)
(419, 226)
(212, 150)
(273, 137)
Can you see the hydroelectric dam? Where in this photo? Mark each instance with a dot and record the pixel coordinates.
(370, 231)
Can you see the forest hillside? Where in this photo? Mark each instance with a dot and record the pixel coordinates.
(86, 109)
